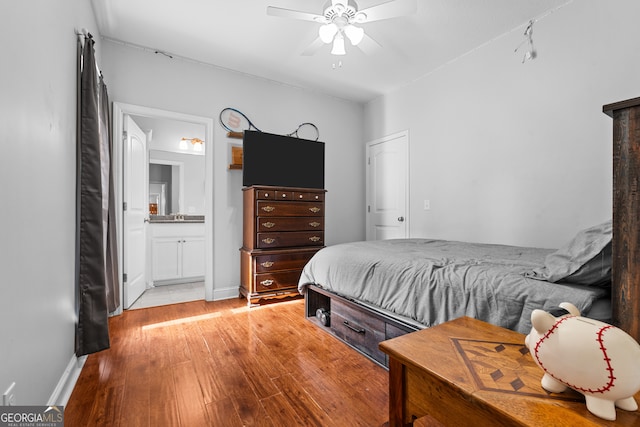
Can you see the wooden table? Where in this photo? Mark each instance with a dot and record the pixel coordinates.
(469, 373)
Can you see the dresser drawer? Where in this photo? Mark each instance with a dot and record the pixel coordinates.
(265, 194)
(356, 329)
(284, 223)
(284, 195)
(298, 195)
(265, 282)
(314, 197)
(293, 238)
(275, 262)
(279, 208)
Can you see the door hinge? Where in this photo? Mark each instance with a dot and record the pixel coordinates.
(124, 277)
(368, 208)
(124, 206)
(368, 160)
(124, 135)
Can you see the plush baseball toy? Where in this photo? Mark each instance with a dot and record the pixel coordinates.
(594, 358)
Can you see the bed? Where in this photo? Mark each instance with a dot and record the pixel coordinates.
(613, 295)
(410, 284)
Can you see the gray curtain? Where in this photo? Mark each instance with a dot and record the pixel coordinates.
(111, 260)
(96, 266)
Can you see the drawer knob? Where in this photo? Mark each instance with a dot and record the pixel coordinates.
(314, 209)
(353, 328)
(314, 224)
(268, 240)
(300, 196)
(268, 224)
(284, 195)
(314, 238)
(267, 264)
(267, 282)
(268, 208)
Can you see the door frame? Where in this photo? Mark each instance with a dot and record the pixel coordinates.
(119, 111)
(407, 216)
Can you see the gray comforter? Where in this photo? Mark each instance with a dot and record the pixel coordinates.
(432, 281)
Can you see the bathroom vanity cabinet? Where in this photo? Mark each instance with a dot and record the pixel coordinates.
(177, 252)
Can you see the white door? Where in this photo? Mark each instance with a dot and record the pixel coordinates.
(388, 187)
(135, 211)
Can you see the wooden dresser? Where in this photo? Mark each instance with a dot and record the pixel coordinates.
(283, 228)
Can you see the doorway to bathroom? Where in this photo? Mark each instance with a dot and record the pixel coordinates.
(177, 215)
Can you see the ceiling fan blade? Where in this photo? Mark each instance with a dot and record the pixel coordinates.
(313, 47)
(295, 14)
(391, 9)
(368, 45)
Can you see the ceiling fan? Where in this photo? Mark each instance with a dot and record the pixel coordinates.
(341, 19)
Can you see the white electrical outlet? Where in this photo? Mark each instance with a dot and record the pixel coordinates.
(9, 396)
(427, 205)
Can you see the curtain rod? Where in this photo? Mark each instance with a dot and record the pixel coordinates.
(83, 32)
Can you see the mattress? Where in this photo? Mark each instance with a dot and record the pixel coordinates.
(431, 281)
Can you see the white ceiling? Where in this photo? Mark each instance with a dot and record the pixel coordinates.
(239, 35)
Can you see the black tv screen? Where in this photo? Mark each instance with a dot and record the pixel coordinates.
(282, 161)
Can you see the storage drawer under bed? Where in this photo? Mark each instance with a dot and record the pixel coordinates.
(357, 329)
(365, 327)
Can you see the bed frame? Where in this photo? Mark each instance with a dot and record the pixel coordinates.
(625, 289)
(363, 327)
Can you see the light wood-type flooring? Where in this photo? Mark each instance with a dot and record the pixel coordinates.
(223, 364)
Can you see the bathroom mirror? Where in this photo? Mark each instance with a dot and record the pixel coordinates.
(176, 172)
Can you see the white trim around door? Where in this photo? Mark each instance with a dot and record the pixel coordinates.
(119, 112)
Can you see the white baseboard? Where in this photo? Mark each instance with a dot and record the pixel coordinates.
(63, 390)
(226, 293)
(67, 382)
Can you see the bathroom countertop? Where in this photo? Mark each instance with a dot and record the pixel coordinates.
(176, 219)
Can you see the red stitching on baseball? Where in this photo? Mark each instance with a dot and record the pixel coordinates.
(606, 358)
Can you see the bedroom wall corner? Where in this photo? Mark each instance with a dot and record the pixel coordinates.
(518, 153)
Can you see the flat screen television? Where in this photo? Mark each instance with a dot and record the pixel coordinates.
(282, 161)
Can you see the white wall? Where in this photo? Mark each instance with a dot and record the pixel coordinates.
(37, 192)
(518, 153)
(141, 77)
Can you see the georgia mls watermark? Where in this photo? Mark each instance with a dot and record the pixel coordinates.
(31, 416)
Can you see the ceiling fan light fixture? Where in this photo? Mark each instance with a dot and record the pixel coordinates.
(360, 17)
(338, 45)
(343, 18)
(327, 32)
(355, 34)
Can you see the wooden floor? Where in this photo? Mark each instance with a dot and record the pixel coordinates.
(223, 364)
